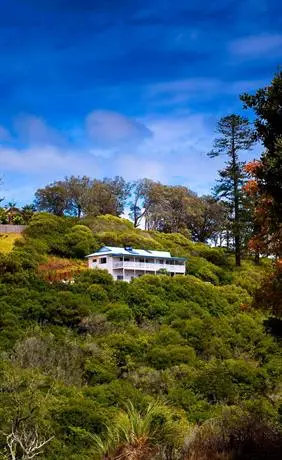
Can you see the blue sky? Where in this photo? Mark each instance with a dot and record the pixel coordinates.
(125, 87)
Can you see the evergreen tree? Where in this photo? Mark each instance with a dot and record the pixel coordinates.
(267, 105)
(235, 135)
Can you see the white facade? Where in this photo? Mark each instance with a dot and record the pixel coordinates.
(128, 263)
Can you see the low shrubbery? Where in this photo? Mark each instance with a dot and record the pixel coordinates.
(75, 353)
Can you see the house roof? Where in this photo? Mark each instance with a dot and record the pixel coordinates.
(128, 251)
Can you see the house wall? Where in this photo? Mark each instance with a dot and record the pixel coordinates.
(130, 269)
(149, 266)
(107, 266)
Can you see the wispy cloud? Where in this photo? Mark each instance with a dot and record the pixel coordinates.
(32, 130)
(171, 147)
(174, 152)
(253, 46)
(106, 129)
(47, 161)
(4, 134)
(190, 85)
(177, 92)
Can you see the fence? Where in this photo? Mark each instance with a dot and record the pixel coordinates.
(9, 228)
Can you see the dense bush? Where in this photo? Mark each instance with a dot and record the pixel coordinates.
(75, 353)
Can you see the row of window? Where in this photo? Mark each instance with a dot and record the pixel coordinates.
(103, 260)
(152, 261)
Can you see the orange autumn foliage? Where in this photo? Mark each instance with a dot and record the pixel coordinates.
(252, 167)
(251, 187)
(60, 269)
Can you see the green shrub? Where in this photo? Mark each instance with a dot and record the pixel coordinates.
(203, 269)
(97, 293)
(80, 241)
(88, 277)
(162, 357)
(119, 313)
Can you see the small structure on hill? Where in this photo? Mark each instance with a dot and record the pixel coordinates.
(128, 263)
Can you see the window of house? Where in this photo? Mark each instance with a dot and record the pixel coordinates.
(148, 261)
(126, 259)
(160, 261)
(94, 261)
(141, 260)
(168, 262)
(120, 277)
(103, 260)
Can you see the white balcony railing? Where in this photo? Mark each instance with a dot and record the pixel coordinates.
(144, 266)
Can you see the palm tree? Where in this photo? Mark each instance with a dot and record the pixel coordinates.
(27, 212)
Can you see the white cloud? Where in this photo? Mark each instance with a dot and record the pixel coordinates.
(46, 160)
(175, 92)
(175, 154)
(254, 46)
(33, 130)
(106, 128)
(190, 85)
(4, 134)
(136, 167)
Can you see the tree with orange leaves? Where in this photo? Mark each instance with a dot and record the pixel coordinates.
(267, 105)
(266, 184)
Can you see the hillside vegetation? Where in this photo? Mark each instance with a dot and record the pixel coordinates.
(7, 241)
(160, 368)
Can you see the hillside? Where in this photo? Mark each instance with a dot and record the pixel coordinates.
(7, 241)
(160, 368)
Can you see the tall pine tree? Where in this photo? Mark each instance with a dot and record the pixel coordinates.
(235, 135)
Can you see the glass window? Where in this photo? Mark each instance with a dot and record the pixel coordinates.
(160, 261)
(103, 260)
(94, 261)
(141, 260)
(120, 277)
(168, 262)
(126, 259)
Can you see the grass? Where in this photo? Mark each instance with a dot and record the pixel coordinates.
(7, 241)
(59, 268)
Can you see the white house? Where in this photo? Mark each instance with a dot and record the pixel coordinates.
(128, 263)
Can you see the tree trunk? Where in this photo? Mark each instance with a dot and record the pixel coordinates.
(237, 251)
(227, 239)
(236, 226)
(257, 258)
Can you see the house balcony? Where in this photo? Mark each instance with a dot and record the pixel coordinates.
(149, 266)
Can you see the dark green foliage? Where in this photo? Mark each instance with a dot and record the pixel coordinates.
(89, 277)
(97, 293)
(51, 234)
(170, 355)
(266, 104)
(80, 241)
(119, 314)
(235, 135)
(204, 270)
(74, 354)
